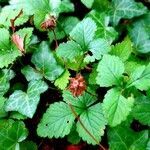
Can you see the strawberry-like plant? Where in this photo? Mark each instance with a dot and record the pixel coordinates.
(77, 70)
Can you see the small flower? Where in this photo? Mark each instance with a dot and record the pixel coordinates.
(19, 42)
(77, 85)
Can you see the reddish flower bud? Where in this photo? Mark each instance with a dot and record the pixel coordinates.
(50, 23)
(77, 85)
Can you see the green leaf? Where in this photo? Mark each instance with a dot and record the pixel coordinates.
(141, 110)
(98, 48)
(5, 77)
(116, 107)
(148, 145)
(31, 73)
(3, 113)
(123, 50)
(26, 103)
(83, 33)
(83, 101)
(11, 134)
(63, 80)
(57, 121)
(4, 40)
(121, 138)
(110, 70)
(28, 145)
(94, 122)
(137, 30)
(140, 78)
(73, 136)
(7, 54)
(103, 29)
(8, 13)
(45, 62)
(88, 3)
(64, 27)
(66, 6)
(26, 34)
(93, 75)
(126, 9)
(69, 51)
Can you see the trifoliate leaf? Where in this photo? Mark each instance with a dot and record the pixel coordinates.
(126, 9)
(141, 110)
(26, 103)
(110, 70)
(103, 29)
(83, 101)
(3, 113)
(57, 121)
(84, 32)
(116, 107)
(137, 30)
(88, 3)
(140, 78)
(98, 48)
(31, 73)
(8, 13)
(5, 77)
(123, 49)
(11, 134)
(94, 122)
(46, 63)
(63, 80)
(64, 27)
(121, 138)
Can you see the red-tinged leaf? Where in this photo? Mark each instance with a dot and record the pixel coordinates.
(74, 147)
(19, 42)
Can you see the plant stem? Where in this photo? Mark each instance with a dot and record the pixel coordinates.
(78, 118)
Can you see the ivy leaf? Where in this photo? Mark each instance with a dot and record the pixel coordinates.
(88, 3)
(123, 50)
(5, 77)
(141, 110)
(137, 30)
(126, 9)
(10, 139)
(46, 63)
(140, 78)
(31, 73)
(26, 103)
(110, 70)
(63, 80)
(116, 107)
(103, 29)
(83, 33)
(94, 122)
(121, 138)
(57, 121)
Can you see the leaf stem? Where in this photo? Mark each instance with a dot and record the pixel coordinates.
(78, 118)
